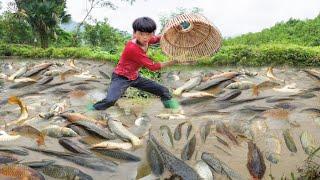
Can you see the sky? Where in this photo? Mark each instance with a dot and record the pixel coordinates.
(231, 17)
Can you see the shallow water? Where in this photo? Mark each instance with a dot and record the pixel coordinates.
(127, 110)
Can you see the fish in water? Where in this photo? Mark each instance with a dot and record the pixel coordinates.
(19, 83)
(263, 86)
(79, 130)
(65, 172)
(23, 110)
(172, 163)
(4, 137)
(308, 142)
(222, 141)
(18, 171)
(56, 131)
(18, 73)
(68, 73)
(228, 75)
(14, 150)
(205, 131)
(53, 73)
(220, 167)
(188, 149)
(228, 96)
(196, 94)
(241, 85)
(289, 141)
(72, 146)
(178, 131)
(271, 75)
(95, 129)
(224, 130)
(45, 80)
(154, 160)
(278, 99)
(193, 100)
(7, 158)
(118, 154)
(203, 170)
(189, 128)
(286, 105)
(113, 145)
(166, 135)
(255, 164)
(117, 128)
(193, 82)
(273, 149)
(39, 164)
(36, 69)
(73, 117)
(211, 83)
(30, 131)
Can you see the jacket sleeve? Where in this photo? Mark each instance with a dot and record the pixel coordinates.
(155, 39)
(141, 58)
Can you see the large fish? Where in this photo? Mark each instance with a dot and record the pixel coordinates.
(23, 110)
(117, 128)
(95, 129)
(72, 146)
(289, 141)
(188, 149)
(39, 164)
(241, 85)
(193, 82)
(56, 131)
(255, 164)
(220, 167)
(264, 86)
(31, 132)
(73, 117)
(229, 75)
(36, 69)
(178, 131)
(172, 163)
(80, 159)
(205, 131)
(211, 83)
(154, 160)
(113, 145)
(65, 172)
(273, 149)
(18, 171)
(14, 150)
(118, 154)
(308, 142)
(18, 73)
(228, 96)
(7, 158)
(271, 75)
(196, 94)
(166, 135)
(203, 170)
(68, 73)
(45, 80)
(5, 137)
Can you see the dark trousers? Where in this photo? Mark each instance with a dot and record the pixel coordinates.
(119, 84)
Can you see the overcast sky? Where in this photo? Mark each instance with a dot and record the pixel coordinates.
(232, 17)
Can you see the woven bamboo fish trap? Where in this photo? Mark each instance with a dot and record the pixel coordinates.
(189, 37)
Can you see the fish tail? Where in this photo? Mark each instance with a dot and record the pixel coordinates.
(14, 100)
(255, 90)
(40, 140)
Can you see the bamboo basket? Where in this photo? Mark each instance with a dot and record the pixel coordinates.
(189, 37)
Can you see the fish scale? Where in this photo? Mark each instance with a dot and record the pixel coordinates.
(65, 172)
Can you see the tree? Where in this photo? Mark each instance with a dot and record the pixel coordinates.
(44, 16)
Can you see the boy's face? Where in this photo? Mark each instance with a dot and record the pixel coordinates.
(143, 37)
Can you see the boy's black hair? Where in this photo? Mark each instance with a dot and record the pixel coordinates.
(144, 24)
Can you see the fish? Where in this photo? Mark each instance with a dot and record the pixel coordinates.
(289, 141)
(65, 172)
(22, 83)
(255, 164)
(117, 128)
(188, 149)
(68, 73)
(193, 82)
(196, 94)
(241, 85)
(308, 142)
(312, 110)
(171, 116)
(193, 100)
(228, 96)
(71, 63)
(203, 170)
(72, 146)
(118, 154)
(104, 75)
(53, 73)
(273, 149)
(73, 117)
(113, 145)
(18, 73)
(312, 73)
(278, 99)
(271, 75)
(277, 114)
(189, 128)
(205, 131)
(224, 130)
(7, 158)
(289, 88)
(18, 171)
(177, 131)
(264, 86)
(285, 105)
(172, 163)
(23, 110)
(30, 131)
(80, 159)
(154, 160)
(39, 164)
(229, 75)
(219, 167)
(36, 69)
(56, 131)
(14, 150)
(45, 80)
(304, 95)
(79, 130)
(166, 135)
(211, 83)
(249, 73)
(4, 137)
(95, 129)
(222, 141)
(256, 108)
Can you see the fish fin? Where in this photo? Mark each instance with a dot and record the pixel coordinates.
(40, 139)
(255, 90)
(14, 100)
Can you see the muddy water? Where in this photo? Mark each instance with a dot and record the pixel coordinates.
(128, 109)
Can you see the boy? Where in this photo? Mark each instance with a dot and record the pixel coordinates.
(133, 57)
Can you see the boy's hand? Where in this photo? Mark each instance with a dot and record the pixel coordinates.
(169, 63)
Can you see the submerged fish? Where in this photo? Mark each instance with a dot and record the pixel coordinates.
(65, 172)
(273, 149)
(189, 128)
(36, 69)
(18, 171)
(205, 131)
(178, 131)
(188, 149)
(308, 142)
(255, 164)
(68, 73)
(95, 129)
(166, 135)
(203, 170)
(72, 146)
(264, 86)
(224, 130)
(289, 141)
(113, 145)
(56, 131)
(118, 154)
(188, 85)
(23, 110)
(30, 131)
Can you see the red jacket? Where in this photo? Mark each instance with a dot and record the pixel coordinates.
(133, 58)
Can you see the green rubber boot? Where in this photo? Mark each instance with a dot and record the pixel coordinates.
(171, 104)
